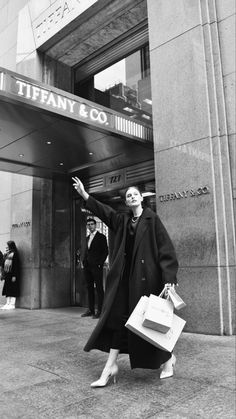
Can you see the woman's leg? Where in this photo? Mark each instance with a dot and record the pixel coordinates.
(111, 368)
(168, 367)
(112, 358)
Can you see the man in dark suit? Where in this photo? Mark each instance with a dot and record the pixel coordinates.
(95, 255)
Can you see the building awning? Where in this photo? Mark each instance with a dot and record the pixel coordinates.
(48, 132)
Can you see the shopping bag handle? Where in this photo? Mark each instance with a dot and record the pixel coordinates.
(163, 292)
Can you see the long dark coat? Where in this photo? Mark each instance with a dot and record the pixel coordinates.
(11, 289)
(153, 264)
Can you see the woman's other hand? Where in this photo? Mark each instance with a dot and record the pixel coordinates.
(13, 279)
(79, 187)
(168, 287)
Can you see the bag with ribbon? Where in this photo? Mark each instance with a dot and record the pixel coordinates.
(165, 341)
(159, 313)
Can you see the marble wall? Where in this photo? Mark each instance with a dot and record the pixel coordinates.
(40, 226)
(38, 204)
(9, 10)
(191, 47)
(36, 214)
(16, 215)
(30, 61)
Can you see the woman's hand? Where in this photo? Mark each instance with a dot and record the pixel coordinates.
(79, 187)
(13, 279)
(167, 288)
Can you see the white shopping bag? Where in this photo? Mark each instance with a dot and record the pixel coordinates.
(165, 341)
(176, 299)
(159, 314)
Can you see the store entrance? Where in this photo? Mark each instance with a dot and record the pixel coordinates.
(116, 200)
(80, 233)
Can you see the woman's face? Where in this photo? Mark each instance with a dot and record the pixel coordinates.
(133, 197)
(7, 248)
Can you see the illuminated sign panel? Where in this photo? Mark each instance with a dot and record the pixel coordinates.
(66, 104)
(55, 101)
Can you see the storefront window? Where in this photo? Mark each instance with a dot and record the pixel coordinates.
(125, 86)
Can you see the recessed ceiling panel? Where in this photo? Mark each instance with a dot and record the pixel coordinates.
(17, 121)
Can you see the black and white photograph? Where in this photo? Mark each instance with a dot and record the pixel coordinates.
(117, 209)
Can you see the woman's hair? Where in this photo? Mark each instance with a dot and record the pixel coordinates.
(135, 187)
(12, 246)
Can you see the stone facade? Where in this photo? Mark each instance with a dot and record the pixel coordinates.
(192, 54)
(192, 85)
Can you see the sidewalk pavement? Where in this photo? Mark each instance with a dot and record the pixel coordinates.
(44, 373)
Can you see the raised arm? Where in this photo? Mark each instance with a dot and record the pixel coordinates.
(107, 214)
(79, 187)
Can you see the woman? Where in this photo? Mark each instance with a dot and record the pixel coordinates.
(10, 274)
(143, 262)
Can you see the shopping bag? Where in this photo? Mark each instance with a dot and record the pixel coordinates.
(159, 313)
(176, 299)
(165, 341)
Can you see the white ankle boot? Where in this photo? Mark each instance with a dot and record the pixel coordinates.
(5, 307)
(12, 304)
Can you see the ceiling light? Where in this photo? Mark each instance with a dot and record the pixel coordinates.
(144, 194)
(146, 116)
(91, 154)
(127, 109)
(148, 101)
(48, 142)
(21, 155)
(61, 164)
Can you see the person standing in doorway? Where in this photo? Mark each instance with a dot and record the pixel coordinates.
(95, 254)
(1, 261)
(10, 274)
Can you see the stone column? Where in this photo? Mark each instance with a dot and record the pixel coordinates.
(192, 73)
(51, 242)
(41, 228)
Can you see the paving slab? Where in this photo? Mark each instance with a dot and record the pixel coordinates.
(44, 373)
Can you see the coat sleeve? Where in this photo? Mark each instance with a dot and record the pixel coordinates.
(107, 214)
(15, 265)
(167, 256)
(1, 259)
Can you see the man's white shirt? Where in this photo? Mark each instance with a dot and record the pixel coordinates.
(91, 237)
